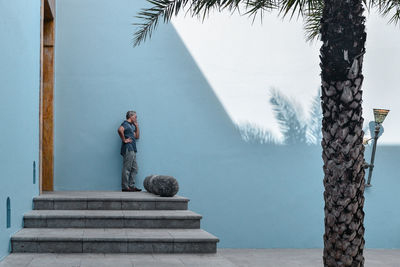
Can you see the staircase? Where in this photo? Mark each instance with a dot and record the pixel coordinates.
(111, 222)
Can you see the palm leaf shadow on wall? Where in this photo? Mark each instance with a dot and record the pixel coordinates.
(295, 129)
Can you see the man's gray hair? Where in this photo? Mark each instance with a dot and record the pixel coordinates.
(130, 113)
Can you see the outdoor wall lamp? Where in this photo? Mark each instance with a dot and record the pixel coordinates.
(380, 115)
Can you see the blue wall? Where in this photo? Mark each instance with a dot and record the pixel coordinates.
(251, 196)
(382, 216)
(19, 110)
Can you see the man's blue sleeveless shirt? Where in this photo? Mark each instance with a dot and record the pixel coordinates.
(129, 129)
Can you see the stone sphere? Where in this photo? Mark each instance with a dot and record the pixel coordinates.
(166, 186)
(146, 183)
(163, 185)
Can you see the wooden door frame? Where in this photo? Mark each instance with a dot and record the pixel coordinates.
(46, 102)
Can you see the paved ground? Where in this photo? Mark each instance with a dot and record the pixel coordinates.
(224, 257)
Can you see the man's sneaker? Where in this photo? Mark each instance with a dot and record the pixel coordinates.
(128, 190)
(135, 189)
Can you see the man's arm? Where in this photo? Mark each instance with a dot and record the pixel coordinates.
(137, 132)
(122, 136)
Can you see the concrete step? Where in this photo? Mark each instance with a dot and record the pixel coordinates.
(107, 200)
(104, 240)
(112, 219)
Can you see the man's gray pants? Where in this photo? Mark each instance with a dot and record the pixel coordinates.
(129, 170)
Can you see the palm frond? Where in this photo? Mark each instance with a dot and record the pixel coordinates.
(288, 114)
(202, 8)
(298, 7)
(388, 8)
(314, 128)
(165, 9)
(150, 16)
(254, 134)
(259, 7)
(311, 10)
(312, 21)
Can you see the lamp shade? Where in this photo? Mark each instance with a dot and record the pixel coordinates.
(380, 114)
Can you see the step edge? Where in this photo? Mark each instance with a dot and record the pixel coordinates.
(143, 217)
(114, 239)
(95, 199)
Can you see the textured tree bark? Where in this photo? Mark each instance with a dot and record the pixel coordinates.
(343, 36)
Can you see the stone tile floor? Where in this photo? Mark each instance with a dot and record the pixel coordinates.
(224, 257)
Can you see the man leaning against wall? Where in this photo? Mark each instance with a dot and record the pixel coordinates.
(129, 132)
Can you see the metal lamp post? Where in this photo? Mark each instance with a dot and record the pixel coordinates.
(380, 115)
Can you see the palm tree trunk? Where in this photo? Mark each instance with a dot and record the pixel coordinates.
(343, 36)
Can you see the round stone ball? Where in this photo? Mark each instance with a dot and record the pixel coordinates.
(146, 183)
(165, 186)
